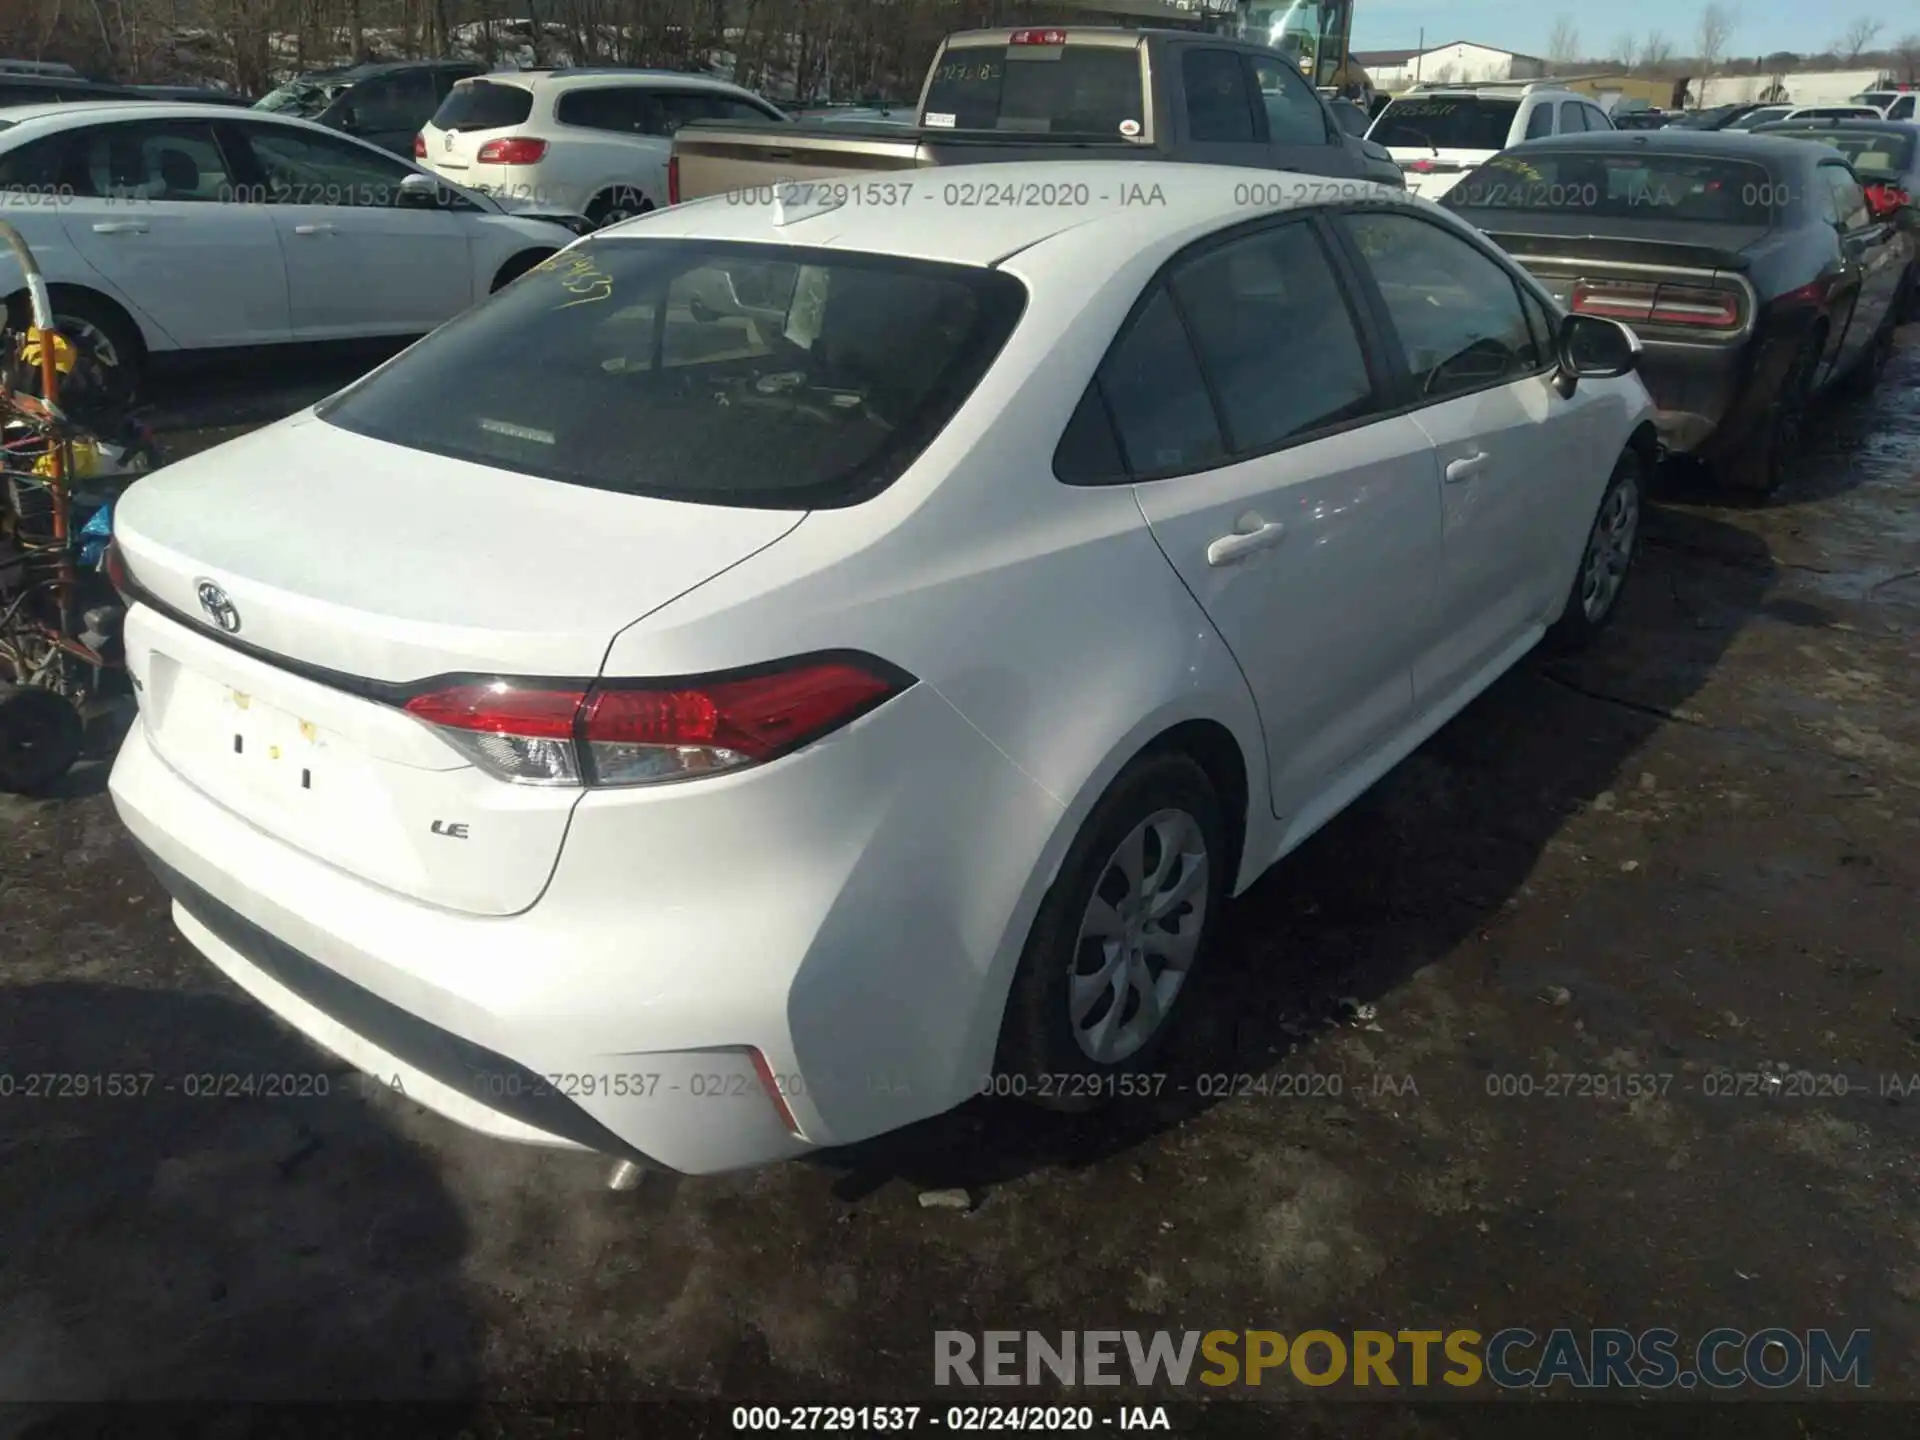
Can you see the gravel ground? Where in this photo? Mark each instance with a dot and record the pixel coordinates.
(1694, 851)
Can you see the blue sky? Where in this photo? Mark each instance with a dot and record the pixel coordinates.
(1763, 25)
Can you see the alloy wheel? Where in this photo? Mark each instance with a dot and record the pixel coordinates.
(1610, 550)
(1138, 937)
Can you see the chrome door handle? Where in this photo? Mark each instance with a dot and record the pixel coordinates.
(1466, 467)
(322, 228)
(120, 227)
(1252, 536)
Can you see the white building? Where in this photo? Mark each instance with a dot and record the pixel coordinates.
(1804, 87)
(1459, 62)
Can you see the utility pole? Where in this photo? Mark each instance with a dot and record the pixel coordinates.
(1419, 54)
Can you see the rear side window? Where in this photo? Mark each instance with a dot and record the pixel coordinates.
(1275, 337)
(626, 109)
(1063, 89)
(393, 102)
(1447, 123)
(483, 105)
(674, 108)
(1876, 154)
(813, 379)
(1218, 107)
(1155, 392)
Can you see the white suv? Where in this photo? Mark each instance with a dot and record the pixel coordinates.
(1439, 133)
(592, 141)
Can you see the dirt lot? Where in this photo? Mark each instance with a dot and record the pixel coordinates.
(1696, 851)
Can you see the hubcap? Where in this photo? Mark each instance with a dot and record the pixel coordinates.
(1610, 551)
(89, 339)
(1138, 937)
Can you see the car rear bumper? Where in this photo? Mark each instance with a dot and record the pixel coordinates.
(842, 912)
(1708, 397)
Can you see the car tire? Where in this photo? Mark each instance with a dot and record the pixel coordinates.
(41, 735)
(1606, 560)
(1760, 464)
(1864, 378)
(612, 206)
(1101, 950)
(89, 319)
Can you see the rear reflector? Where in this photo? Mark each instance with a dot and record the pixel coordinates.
(513, 151)
(1686, 306)
(770, 1083)
(1038, 37)
(673, 180)
(635, 733)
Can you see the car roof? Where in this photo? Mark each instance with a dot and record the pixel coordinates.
(373, 68)
(913, 218)
(29, 120)
(573, 77)
(1735, 145)
(1839, 124)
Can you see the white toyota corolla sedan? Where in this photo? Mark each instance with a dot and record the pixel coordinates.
(704, 737)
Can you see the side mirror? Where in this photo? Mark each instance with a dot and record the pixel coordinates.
(1591, 348)
(419, 192)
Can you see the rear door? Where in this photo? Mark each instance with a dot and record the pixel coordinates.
(358, 263)
(1513, 460)
(1874, 244)
(1858, 307)
(1217, 118)
(1304, 521)
(1294, 123)
(159, 208)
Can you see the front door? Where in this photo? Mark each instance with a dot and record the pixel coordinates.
(158, 211)
(1506, 442)
(359, 264)
(1306, 526)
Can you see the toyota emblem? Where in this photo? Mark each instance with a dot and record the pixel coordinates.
(447, 144)
(219, 608)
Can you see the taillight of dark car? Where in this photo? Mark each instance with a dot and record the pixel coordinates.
(625, 733)
(514, 150)
(1686, 307)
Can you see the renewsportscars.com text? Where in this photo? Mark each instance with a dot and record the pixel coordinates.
(1512, 1358)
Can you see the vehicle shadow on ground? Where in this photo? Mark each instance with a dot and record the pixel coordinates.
(1425, 860)
(170, 1243)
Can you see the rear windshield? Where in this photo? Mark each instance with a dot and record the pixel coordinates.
(1637, 185)
(1078, 89)
(1875, 154)
(483, 105)
(1446, 123)
(725, 374)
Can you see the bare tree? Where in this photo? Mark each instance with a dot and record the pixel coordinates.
(1861, 32)
(1907, 51)
(1563, 41)
(1710, 39)
(1626, 50)
(1656, 51)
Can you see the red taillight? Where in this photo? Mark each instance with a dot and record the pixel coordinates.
(1038, 37)
(1613, 301)
(621, 733)
(116, 568)
(1686, 306)
(419, 147)
(673, 180)
(1814, 292)
(513, 151)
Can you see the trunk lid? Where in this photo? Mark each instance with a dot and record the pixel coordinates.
(341, 569)
(474, 112)
(1430, 174)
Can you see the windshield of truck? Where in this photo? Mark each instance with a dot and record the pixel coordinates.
(1623, 186)
(1446, 123)
(1876, 154)
(1060, 89)
(303, 98)
(725, 374)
